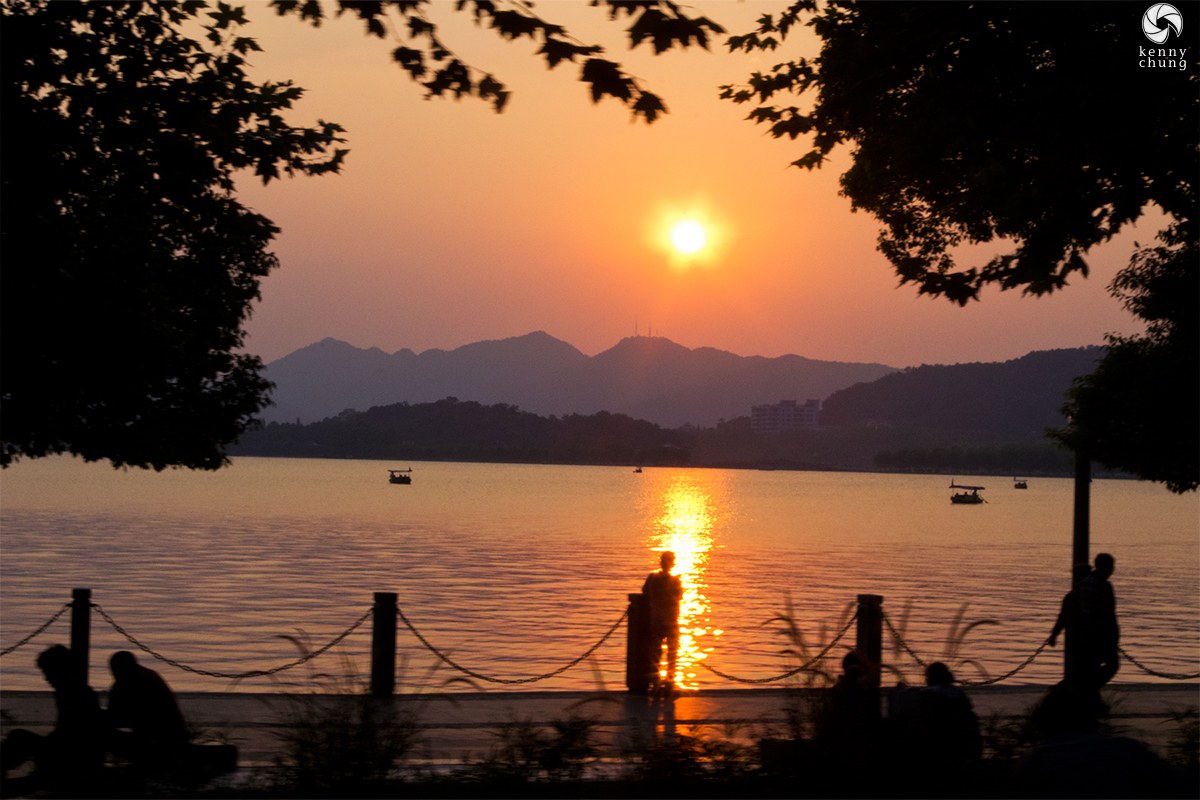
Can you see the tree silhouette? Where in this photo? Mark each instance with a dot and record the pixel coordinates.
(424, 55)
(129, 266)
(1034, 125)
(1138, 410)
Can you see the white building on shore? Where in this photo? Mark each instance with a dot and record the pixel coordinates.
(786, 415)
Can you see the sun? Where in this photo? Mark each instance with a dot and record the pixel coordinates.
(688, 237)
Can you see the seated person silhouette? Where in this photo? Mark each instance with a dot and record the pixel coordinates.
(854, 701)
(664, 592)
(68, 759)
(950, 727)
(934, 734)
(141, 702)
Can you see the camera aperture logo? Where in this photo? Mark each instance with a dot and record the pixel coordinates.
(1158, 23)
(1160, 20)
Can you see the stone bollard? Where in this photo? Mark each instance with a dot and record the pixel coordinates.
(870, 628)
(870, 641)
(81, 627)
(383, 645)
(640, 662)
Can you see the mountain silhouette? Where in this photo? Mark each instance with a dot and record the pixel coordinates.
(1014, 400)
(645, 377)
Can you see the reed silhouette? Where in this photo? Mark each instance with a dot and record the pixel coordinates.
(336, 738)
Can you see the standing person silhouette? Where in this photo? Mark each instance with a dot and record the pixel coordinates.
(1098, 624)
(664, 592)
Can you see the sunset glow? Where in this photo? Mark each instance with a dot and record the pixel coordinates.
(685, 527)
(483, 226)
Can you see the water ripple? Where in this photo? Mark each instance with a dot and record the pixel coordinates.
(515, 570)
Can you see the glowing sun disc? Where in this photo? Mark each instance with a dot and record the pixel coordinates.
(688, 237)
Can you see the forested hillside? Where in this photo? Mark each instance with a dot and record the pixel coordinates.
(450, 430)
(1012, 401)
(469, 431)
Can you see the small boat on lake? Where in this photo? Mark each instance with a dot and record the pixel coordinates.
(637, 469)
(1020, 483)
(969, 495)
(400, 476)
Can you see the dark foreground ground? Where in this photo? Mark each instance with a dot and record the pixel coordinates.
(719, 743)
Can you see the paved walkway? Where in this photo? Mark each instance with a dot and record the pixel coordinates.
(461, 724)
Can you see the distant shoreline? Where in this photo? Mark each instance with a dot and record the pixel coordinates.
(468, 431)
(750, 467)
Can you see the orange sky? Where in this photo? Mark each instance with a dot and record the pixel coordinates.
(451, 224)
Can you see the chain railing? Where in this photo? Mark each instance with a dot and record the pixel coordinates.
(802, 668)
(1174, 676)
(808, 665)
(259, 673)
(256, 673)
(321, 650)
(450, 662)
(1012, 672)
(41, 629)
(899, 640)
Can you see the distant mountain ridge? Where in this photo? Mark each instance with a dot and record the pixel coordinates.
(645, 377)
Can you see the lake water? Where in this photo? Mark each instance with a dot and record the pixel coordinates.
(516, 570)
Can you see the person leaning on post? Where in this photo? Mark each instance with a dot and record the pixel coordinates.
(664, 593)
(1098, 623)
(1068, 623)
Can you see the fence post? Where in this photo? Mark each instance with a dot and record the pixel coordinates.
(81, 624)
(870, 627)
(638, 669)
(383, 645)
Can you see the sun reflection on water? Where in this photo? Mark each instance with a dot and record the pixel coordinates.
(684, 525)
